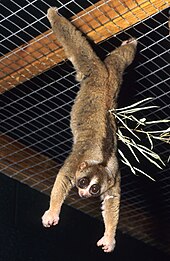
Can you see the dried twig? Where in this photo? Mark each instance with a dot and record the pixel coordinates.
(125, 116)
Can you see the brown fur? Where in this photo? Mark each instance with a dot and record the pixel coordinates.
(94, 129)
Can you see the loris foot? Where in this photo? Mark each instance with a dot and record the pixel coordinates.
(51, 13)
(129, 41)
(107, 244)
(50, 219)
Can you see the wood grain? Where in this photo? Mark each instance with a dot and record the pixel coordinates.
(98, 22)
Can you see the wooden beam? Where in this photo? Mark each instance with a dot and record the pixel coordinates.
(26, 165)
(98, 22)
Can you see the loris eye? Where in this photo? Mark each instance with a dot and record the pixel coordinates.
(95, 189)
(83, 183)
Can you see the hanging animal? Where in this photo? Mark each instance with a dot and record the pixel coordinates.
(92, 165)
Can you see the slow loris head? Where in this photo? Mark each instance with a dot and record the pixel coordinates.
(91, 180)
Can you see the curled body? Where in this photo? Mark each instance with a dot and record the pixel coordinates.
(92, 165)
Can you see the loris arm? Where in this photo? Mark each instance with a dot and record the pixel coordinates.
(76, 47)
(110, 214)
(63, 184)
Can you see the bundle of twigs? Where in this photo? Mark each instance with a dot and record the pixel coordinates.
(126, 117)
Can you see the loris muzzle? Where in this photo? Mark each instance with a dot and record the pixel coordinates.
(92, 165)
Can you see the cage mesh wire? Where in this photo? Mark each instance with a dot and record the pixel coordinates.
(38, 88)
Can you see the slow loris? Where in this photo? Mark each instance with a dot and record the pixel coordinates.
(92, 165)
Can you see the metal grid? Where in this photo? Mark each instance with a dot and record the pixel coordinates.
(35, 133)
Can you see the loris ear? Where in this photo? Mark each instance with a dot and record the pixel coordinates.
(83, 165)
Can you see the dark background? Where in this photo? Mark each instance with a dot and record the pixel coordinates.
(23, 238)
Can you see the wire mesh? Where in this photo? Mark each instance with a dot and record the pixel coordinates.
(38, 88)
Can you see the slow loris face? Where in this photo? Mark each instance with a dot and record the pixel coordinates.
(88, 188)
(91, 180)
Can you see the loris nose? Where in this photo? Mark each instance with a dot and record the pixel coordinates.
(83, 194)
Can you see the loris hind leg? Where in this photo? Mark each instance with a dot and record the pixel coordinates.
(76, 47)
(122, 56)
(111, 204)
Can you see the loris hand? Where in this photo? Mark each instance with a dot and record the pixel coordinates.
(107, 244)
(50, 219)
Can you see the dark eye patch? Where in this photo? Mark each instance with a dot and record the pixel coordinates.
(95, 189)
(83, 183)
